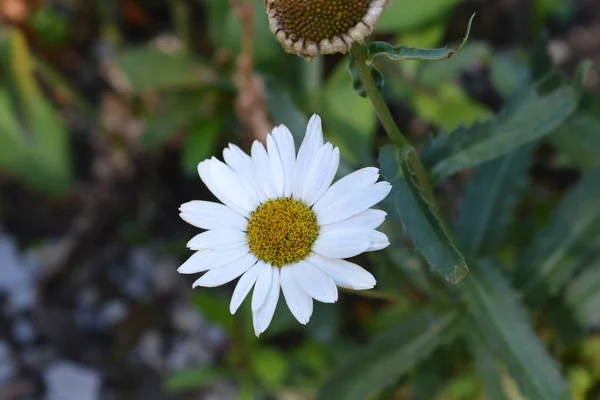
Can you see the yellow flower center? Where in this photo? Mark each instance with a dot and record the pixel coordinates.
(282, 231)
(316, 20)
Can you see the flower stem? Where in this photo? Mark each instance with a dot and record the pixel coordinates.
(383, 112)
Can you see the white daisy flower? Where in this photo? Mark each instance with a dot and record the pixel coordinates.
(283, 224)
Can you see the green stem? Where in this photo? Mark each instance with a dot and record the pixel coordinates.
(312, 76)
(383, 112)
(181, 21)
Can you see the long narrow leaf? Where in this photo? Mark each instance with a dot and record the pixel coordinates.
(571, 236)
(33, 139)
(505, 328)
(578, 141)
(412, 53)
(486, 208)
(420, 219)
(528, 120)
(388, 358)
(583, 295)
(487, 367)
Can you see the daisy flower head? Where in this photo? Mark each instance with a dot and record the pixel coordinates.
(283, 226)
(312, 27)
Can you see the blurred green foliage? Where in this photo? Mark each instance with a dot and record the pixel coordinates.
(498, 333)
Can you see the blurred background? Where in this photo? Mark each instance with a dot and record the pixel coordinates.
(106, 108)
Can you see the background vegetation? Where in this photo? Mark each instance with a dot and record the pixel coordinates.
(107, 106)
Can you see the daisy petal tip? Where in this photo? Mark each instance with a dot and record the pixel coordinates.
(283, 128)
(381, 246)
(330, 299)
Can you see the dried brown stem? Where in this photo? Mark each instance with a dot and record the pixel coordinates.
(250, 104)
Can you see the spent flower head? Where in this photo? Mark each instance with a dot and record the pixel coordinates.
(312, 27)
(282, 225)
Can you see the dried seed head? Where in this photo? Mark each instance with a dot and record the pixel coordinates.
(312, 27)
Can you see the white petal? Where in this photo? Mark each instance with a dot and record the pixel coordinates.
(299, 303)
(370, 218)
(287, 151)
(345, 274)
(314, 172)
(379, 240)
(312, 142)
(357, 180)
(220, 276)
(204, 260)
(315, 282)
(262, 166)
(264, 315)
(342, 243)
(242, 164)
(353, 203)
(320, 173)
(210, 215)
(219, 239)
(277, 173)
(204, 170)
(263, 283)
(236, 188)
(236, 159)
(243, 288)
(327, 177)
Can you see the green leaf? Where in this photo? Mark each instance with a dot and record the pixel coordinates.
(448, 106)
(412, 53)
(577, 142)
(434, 74)
(486, 366)
(504, 326)
(583, 295)
(270, 366)
(193, 378)
(580, 75)
(420, 219)
(177, 112)
(284, 111)
(540, 59)
(487, 205)
(509, 73)
(148, 69)
(350, 121)
(200, 143)
(525, 121)
(389, 357)
(34, 143)
(571, 236)
(565, 323)
(215, 309)
(414, 14)
(431, 377)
